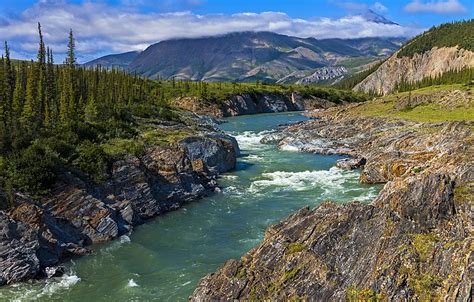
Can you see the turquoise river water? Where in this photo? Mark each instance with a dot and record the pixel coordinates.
(164, 259)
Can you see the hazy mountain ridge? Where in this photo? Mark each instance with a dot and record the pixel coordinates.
(250, 56)
(121, 60)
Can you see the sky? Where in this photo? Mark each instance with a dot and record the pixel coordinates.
(115, 26)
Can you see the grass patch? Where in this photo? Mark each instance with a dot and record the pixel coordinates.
(423, 244)
(464, 194)
(425, 286)
(430, 112)
(435, 113)
(117, 147)
(161, 137)
(364, 294)
(295, 248)
(290, 274)
(241, 273)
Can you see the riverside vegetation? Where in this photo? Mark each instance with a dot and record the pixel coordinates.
(89, 153)
(67, 115)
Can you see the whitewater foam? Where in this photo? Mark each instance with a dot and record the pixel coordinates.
(368, 196)
(50, 288)
(289, 148)
(132, 283)
(115, 245)
(249, 140)
(125, 239)
(330, 181)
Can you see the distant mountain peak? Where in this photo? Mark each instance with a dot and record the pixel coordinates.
(248, 56)
(372, 16)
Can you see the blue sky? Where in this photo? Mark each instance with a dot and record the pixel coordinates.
(112, 26)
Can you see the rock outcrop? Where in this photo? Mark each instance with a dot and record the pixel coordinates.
(35, 237)
(414, 242)
(413, 69)
(242, 104)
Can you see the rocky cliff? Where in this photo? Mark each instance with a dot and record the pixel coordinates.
(413, 69)
(247, 103)
(414, 242)
(35, 237)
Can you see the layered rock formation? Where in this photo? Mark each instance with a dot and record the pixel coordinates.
(242, 104)
(414, 242)
(413, 69)
(35, 237)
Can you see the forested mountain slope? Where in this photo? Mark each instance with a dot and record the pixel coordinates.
(448, 47)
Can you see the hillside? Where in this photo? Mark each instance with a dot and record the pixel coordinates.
(251, 56)
(459, 34)
(448, 47)
(121, 60)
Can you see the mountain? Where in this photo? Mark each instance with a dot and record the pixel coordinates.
(250, 56)
(122, 60)
(372, 16)
(448, 47)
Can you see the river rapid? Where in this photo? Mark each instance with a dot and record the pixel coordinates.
(164, 259)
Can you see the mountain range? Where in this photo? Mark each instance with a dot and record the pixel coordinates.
(251, 56)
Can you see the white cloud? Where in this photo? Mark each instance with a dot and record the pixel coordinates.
(435, 6)
(379, 7)
(102, 29)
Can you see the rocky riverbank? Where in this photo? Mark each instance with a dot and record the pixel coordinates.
(37, 236)
(415, 241)
(246, 103)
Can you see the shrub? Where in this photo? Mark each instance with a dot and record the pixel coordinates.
(32, 170)
(92, 160)
(117, 147)
(61, 148)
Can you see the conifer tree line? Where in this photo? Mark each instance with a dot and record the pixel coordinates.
(56, 116)
(455, 76)
(352, 80)
(39, 96)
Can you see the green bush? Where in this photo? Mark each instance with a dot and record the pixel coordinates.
(61, 148)
(32, 170)
(115, 128)
(92, 160)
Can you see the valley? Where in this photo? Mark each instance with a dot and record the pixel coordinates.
(243, 166)
(266, 186)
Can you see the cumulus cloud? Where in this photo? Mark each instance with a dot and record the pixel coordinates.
(101, 29)
(435, 6)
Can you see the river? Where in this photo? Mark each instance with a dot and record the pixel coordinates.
(164, 259)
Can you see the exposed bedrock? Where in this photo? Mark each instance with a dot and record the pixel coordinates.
(37, 236)
(414, 242)
(242, 104)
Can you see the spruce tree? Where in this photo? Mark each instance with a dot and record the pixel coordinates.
(91, 112)
(70, 86)
(9, 75)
